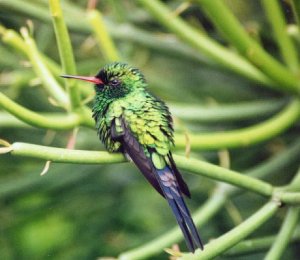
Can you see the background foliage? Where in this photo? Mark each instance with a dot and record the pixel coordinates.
(229, 72)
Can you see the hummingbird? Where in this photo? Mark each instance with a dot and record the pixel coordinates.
(131, 120)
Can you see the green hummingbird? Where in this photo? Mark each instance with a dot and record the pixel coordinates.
(131, 120)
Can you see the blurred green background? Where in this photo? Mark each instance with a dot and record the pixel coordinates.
(87, 211)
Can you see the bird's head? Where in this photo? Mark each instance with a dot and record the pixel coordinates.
(116, 79)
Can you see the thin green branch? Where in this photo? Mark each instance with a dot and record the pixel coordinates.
(285, 234)
(104, 40)
(295, 183)
(13, 39)
(247, 136)
(226, 112)
(203, 43)
(50, 122)
(278, 162)
(231, 238)
(286, 45)
(65, 155)
(288, 197)
(65, 51)
(227, 23)
(225, 175)
(49, 82)
(201, 216)
(164, 43)
(257, 244)
(7, 120)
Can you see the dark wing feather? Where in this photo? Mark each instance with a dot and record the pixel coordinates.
(132, 147)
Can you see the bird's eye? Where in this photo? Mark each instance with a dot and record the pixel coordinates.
(114, 82)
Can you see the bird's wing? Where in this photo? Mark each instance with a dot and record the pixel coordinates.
(131, 146)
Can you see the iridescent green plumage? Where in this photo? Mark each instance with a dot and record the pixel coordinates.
(148, 117)
(131, 120)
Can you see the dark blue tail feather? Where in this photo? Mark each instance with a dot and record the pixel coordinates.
(170, 188)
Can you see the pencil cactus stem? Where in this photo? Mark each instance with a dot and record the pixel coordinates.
(49, 82)
(285, 234)
(228, 24)
(246, 136)
(222, 174)
(106, 44)
(65, 51)
(13, 39)
(204, 44)
(65, 155)
(35, 119)
(279, 25)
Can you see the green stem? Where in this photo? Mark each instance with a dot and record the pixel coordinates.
(201, 216)
(65, 51)
(166, 44)
(13, 39)
(227, 23)
(257, 244)
(278, 162)
(285, 234)
(247, 136)
(42, 71)
(286, 45)
(105, 42)
(35, 119)
(65, 155)
(295, 183)
(203, 43)
(225, 175)
(231, 238)
(226, 112)
(292, 198)
(9, 121)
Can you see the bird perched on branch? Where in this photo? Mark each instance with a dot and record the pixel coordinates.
(131, 120)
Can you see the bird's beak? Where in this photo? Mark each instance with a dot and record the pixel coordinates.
(89, 79)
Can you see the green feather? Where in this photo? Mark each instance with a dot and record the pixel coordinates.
(147, 117)
(158, 161)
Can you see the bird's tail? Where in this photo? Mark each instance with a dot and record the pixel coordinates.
(171, 190)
